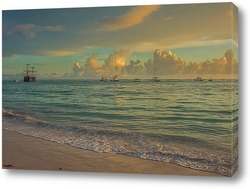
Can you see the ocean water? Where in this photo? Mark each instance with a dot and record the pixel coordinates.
(190, 123)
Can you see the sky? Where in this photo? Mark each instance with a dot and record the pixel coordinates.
(182, 41)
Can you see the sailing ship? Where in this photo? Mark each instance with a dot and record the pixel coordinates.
(198, 79)
(29, 77)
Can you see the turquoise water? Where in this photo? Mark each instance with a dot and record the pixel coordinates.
(193, 124)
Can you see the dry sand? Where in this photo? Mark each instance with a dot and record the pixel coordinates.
(25, 152)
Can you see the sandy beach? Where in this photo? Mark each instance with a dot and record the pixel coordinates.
(25, 152)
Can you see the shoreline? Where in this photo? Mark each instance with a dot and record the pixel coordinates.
(29, 153)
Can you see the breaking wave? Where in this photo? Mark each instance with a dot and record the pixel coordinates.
(182, 150)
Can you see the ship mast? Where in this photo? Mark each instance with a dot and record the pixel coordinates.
(32, 71)
(154, 69)
(27, 70)
(155, 78)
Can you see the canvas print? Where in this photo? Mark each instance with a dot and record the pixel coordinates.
(130, 89)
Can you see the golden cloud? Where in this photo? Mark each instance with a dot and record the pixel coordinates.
(57, 53)
(134, 17)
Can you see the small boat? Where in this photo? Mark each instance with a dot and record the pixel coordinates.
(156, 79)
(136, 80)
(115, 78)
(104, 79)
(198, 79)
(210, 79)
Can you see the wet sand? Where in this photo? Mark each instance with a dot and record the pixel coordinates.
(25, 152)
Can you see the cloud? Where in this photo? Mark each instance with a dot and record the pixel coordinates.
(231, 67)
(114, 64)
(57, 53)
(224, 65)
(216, 66)
(134, 17)
(92, 67)
(167, 62)
(169, 18)
(91, 63)
(149, 67)
(77, 70)
(117, 59)
(29, 30)
(135, 67)
(191, 68)
(204, 41)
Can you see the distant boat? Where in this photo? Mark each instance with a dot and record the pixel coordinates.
(29, 77)
(104, 79)
(198, 79)
(156, 79)
(136, 80)
(210, 79)
(115, 78)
